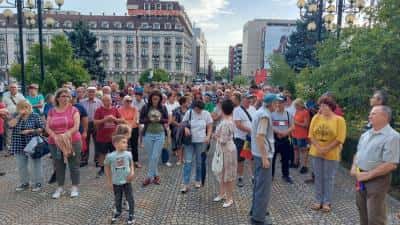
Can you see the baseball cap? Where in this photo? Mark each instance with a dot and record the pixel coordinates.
(249, 95)
(281, 98)
(139, 90)
(269, 98)
(91, 88)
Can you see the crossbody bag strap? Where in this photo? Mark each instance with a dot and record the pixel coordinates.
(247, 113)
(13, 100)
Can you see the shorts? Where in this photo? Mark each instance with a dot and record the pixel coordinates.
(104, 148)
(239, 146)
(299, 142)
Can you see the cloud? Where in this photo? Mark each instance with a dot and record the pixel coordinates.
(202, 12)
(285, 2)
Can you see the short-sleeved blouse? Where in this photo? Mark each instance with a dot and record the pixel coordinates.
(18, 140)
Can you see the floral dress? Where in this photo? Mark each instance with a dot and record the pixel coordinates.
(224, 135)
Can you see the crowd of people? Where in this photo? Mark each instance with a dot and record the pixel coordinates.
(185, 123)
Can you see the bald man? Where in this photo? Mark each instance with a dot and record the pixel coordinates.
(106, 119)
(377, 156)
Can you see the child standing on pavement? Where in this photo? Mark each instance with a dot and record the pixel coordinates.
(119, 169)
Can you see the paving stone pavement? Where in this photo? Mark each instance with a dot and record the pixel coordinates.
(159, 205)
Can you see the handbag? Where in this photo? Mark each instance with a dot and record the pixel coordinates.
(246, 152)
(218, 160)
(37, 147)
(187, 139)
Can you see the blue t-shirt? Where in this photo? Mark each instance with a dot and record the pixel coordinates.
(120, 164)
(82, 113)
(34, 101)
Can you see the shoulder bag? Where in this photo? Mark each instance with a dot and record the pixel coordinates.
(187, 139)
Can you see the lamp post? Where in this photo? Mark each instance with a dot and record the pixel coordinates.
(8, 14)
(29, 4)
(350, 7)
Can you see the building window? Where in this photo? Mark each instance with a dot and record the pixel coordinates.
(168, 26)
(118, 25)
(144, 52)
(156, 40)
(158, 6)
(178, 26)
(130, 25)
(156, 26)
(129, 39)
(104, 25)
(93, 25)
(144, 26)
(178, 41)
(68, 24)
(145, 64)
(167, 65)
(147, 6)
(129, 64)
(2, 61)
(144, 40)
(178, 66)
(170, 6)
(156, 65)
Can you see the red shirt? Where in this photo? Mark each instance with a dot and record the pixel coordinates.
(2, 106)
(105, 130)
(300, 132)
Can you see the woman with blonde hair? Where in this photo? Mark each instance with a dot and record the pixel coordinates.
(299, 135)
(25, 126)
(65, 141)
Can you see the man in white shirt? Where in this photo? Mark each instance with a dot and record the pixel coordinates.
(11, 99)
(242, 119)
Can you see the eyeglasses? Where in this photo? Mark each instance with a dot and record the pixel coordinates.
(64, 96)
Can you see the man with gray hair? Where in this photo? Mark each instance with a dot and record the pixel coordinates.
(378, 154)
(262, 148)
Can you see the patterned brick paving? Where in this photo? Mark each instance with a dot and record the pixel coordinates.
(165, 205)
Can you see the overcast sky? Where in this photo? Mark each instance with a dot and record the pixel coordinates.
(221, 20)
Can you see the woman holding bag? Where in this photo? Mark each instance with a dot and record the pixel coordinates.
(25, 126)
(225, 144)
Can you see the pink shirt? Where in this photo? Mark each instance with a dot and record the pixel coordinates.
(2, 106)
(61, 122)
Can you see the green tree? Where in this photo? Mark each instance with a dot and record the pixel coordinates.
(60, 66)
(240, 80)
(281, 73)
(301, 50)
(121, 84)
(159, 75)
(84, 43)
(224, 73)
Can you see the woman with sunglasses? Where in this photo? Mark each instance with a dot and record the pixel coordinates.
(131, 117)
(63, 128)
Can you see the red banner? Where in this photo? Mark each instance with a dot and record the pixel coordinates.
(260, 76)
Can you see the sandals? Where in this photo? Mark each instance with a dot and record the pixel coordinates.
(326, 208)
(316, 206)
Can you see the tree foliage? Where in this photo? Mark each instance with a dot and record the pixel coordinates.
(159, 75)
(281, 73)
(301, 50)
(60, 66)
(240, 80)
(84, 44)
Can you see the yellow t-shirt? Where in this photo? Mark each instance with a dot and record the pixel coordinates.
(325, 131)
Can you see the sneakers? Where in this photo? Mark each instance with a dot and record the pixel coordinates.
(37, 187)
(22, 187)
(115, 217)
(57, 194)
(74, 192)
(240, 182)
(178, 163)
(197, 185)
(288, 180)
(303, 170)
(228, 204)
(218, 198)
(184, 189)
(131, 220)
(168, 164)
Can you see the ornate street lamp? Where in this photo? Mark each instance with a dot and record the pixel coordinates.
(330, 8)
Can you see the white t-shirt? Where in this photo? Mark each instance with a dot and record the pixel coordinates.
(291, 109)
(252, 111)
(171, 107)
(198, 124)
(240, 115)
(10, 104)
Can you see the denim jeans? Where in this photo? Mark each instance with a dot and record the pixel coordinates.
(23, 171)
(324, 171)
(261, 190)
(190, 151)
(153, 144)
(119, 191)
